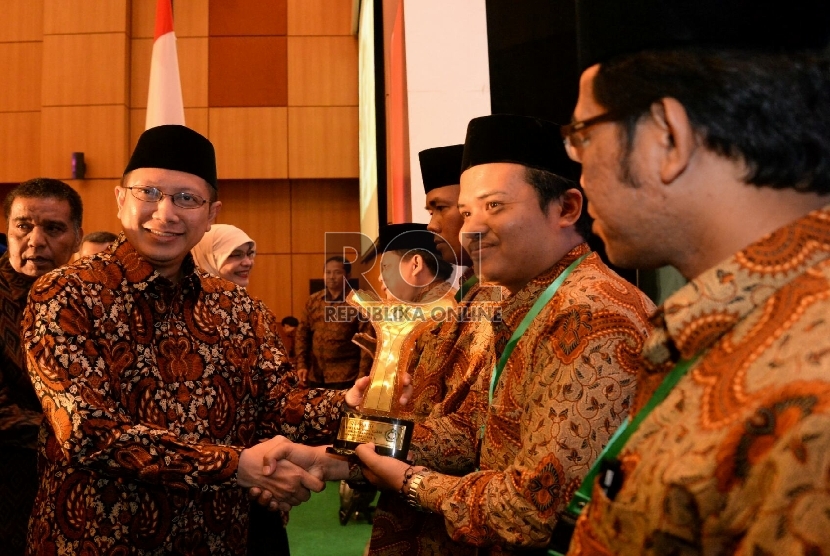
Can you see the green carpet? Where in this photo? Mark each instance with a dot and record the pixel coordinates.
(314, 528)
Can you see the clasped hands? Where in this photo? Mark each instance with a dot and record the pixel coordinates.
(280, 474)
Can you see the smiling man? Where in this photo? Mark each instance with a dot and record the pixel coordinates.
(703, 128)
(568, 383)
(44, 217)
(158, 380)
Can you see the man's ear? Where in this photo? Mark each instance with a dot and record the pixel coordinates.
(570, 207)
(677, 138)
(213, 212)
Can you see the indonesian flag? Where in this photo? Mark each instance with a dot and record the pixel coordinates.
(164, 99)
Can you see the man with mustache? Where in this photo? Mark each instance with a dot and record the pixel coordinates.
(44, 217)
(703, 129)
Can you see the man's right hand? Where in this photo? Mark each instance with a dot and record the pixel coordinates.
(288, 484)
(302, 374)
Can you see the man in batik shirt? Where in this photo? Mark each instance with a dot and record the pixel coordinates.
(570, 379)
(44, 217)
(158, 380)
(714, 157)
(326, 356)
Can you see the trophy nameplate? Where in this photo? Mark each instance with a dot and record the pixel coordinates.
(397, 327)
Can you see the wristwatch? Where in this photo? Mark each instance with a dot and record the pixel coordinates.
(414, 485)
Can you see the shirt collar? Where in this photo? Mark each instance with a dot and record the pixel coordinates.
(19, 284)
(137, 270)
(701, 312)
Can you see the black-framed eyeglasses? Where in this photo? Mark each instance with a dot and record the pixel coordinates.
(573, 141)
(182, 199)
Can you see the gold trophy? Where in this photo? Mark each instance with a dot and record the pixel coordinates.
(397, 327)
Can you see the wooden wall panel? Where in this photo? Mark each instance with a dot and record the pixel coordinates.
(85, 16)
(247, 17)
(22, 21)
(141, 52)
(271, 282)
(20, 145)
(248, 71)
(100, 208)
(193, 68)
(250, 142)
(322, 142)
(194, 118)
(303, 269)
(20, 65)
(143, 19)
(320, 17)
(320, 206)
(322, 71)
(260, 207)
(100, 132)
(85, 69)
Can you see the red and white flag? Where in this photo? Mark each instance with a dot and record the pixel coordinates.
(164, 99)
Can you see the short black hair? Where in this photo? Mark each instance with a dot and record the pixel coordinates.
(434, 262)
(99, 237)
(347, 266)
(769, 110)
(551, 187)
(47, 188)
(290, 321)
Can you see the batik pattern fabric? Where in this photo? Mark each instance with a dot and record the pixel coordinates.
(151, 390)
(323, 341)
(565, 389)
(20, 415)
(736, 460)
(451, 357)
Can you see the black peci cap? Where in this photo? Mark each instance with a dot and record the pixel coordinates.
(175, 147)
(396, 237)
(606, 28)
(441, 166)
(521, 140)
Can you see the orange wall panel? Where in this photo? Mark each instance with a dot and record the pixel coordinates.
(20, 145)
(85, 16)
(247, 18)
(304, 268)
(193, 69)
(322, 71)
(320, 206)
(260, 207)
(247, 71)
(322, 142)
(271, 282)
(190, 18)
(85, 69)
(100, 132)
(100, 208)
(320, 17)
(141, 52)
(20, 66)
(22, 21)
(249, 142)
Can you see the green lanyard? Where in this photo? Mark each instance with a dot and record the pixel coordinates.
(465, 287)
(543, 299)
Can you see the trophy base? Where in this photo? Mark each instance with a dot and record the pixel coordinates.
(390, 435)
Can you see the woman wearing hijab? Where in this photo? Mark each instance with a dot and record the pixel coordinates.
(226, 251)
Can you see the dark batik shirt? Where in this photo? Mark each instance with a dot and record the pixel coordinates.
(151, 390)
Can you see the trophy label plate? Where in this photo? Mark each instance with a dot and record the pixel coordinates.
(361, 430)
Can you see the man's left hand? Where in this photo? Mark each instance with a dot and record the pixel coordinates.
(354, 397)
(383, 471)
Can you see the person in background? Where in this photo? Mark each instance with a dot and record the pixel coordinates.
(95, 242)
(703, 129)
(326, 356)
(44, 217)
(227, 252)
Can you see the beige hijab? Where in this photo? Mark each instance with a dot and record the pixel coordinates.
(219, 242)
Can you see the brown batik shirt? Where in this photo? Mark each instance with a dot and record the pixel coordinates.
(323, 342)
(20, 413)
(151, 390)
(567, 386)
(736, 460)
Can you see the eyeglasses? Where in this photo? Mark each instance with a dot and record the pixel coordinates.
(574, 142)
(239, 254)
(182, 199)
